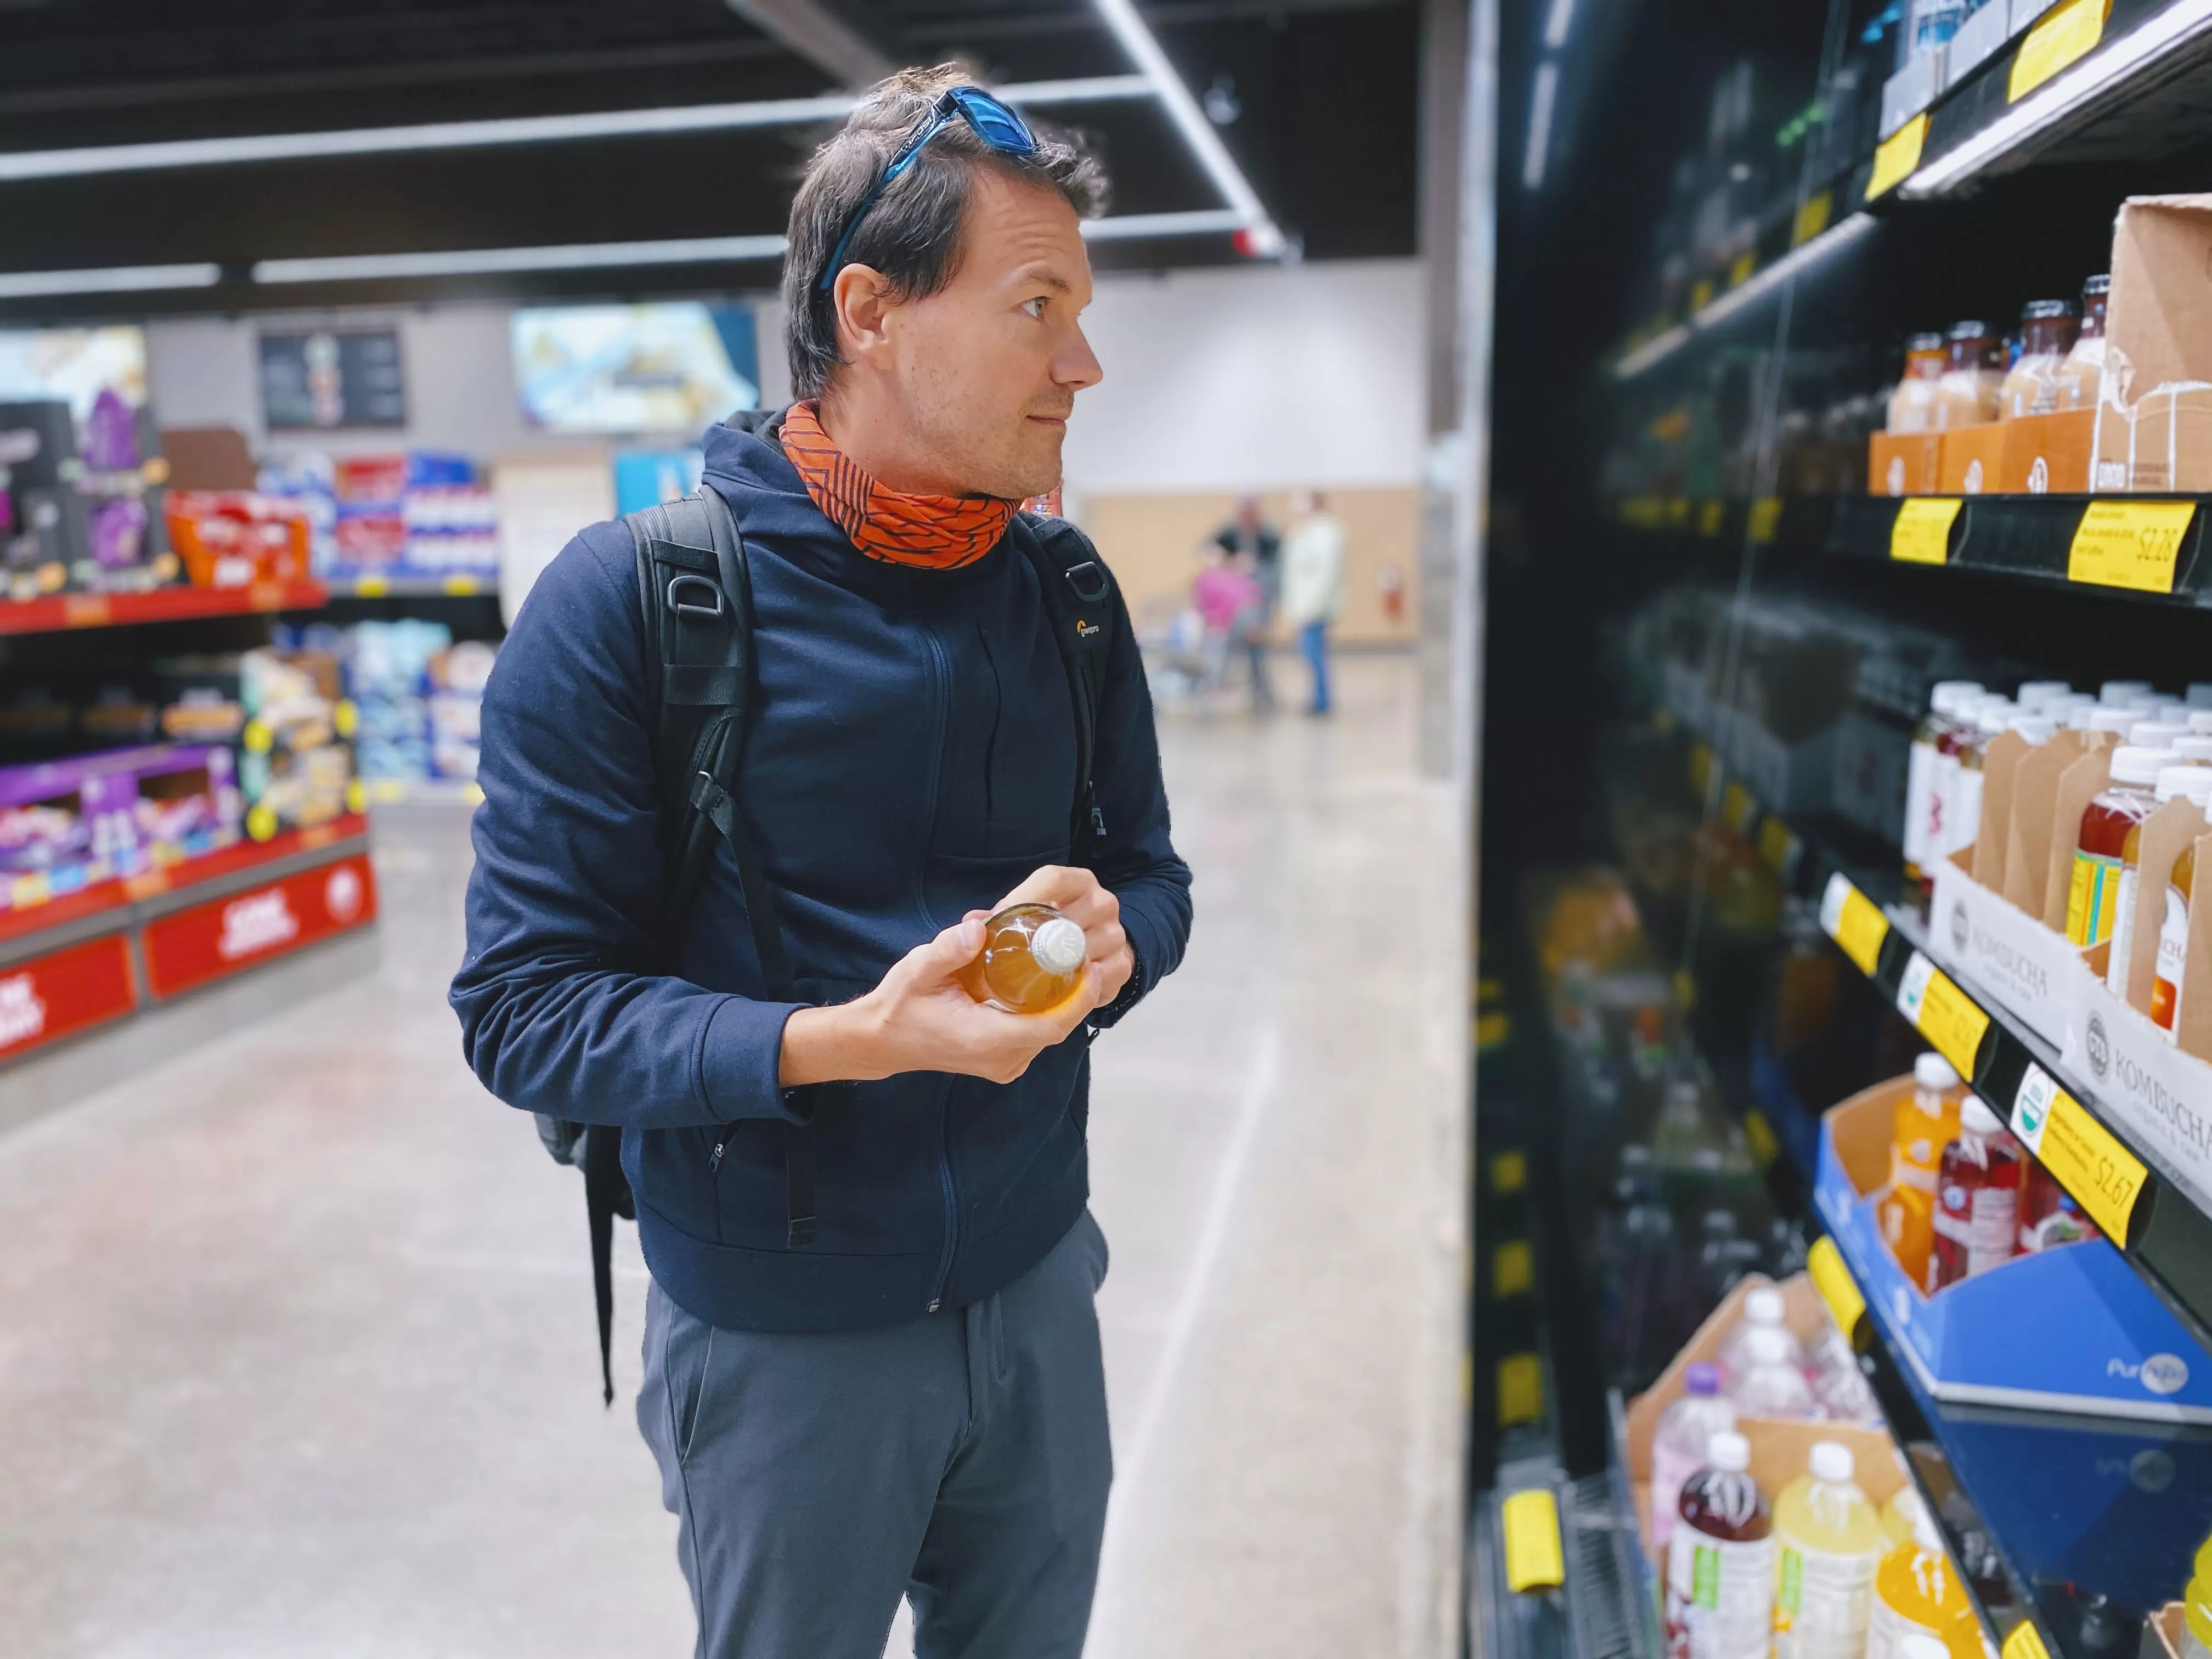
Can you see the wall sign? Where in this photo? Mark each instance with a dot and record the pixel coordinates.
(326, 380)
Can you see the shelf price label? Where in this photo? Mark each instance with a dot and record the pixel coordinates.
(2025, 1642)
(1811, 218)
(1779, 847)
(1520, 1389)
(2132, 545)
(1512, 1269)
(1765, 517)
(1509, 1174)
(2106, 1178)
(1534, 1557)
(1921, 533)
(1899, 157)
(2067, 33)
(1759, 1134)
(1701, 767)
(1738, 809)
(1823, 1265)
(1942, 1013)
(1851, 918)
(372, 587)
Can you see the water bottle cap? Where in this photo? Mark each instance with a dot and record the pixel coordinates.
(2107, 717)
(2134, 693)
(1934, 1071)
(2132, 763)
(1833, 1463)
(1948, 695)
(2037, 729)
(2033, 694)
(1059, 946)
(2194, 782)
(1764, 1307)
(2197, 746)
(2156, 734)
(1729, 1452)
(1703, 1378)
(2198, 694)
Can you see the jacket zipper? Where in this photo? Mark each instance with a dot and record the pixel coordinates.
(920, 881)
(951, 1203)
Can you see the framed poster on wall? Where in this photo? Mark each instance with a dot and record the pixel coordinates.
(328, 380)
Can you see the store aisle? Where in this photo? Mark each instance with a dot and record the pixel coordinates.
(296, 1333)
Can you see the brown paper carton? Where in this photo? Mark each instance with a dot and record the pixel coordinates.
(2000, 766)
(2174, 439)
(1902, 463)
(2047, 454)
(1781, 1450)
(2192, 1021)
(1968, 459)
(2159, 841)
(2153, 426)
(2027, 837)
(2078, 785)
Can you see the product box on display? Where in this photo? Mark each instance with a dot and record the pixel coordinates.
(2154, 418)
(1780, 1447)
(2071, 1328)
(2003, 950)
(1903, 463)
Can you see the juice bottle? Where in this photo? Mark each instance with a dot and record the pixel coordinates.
(2173, 945)
(1916, 1593)
(1932, 748)
(1899, 1515)
(1912, 404)
(2187, 779)
(1924, 1123)
(1031, 960)
(1764, 1309)
(2081, 377)
(1720, 1560)
(1907, 1218)
(1986, 718)
(2049, 1217)
(2047, 330)
(2094, 897)
(1976, 1200)
(1829, 1543)
(1771, 1384)
(1973, 369)
(1679, 1445)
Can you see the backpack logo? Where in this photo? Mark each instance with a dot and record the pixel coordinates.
(1084, 630)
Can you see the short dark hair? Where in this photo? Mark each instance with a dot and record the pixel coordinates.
(912, 234)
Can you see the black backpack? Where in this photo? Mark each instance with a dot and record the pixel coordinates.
(695, 596)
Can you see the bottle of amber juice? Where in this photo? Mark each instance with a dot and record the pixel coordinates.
(1031, 960)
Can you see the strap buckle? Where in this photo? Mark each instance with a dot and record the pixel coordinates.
(677, 584)
(1088, 580)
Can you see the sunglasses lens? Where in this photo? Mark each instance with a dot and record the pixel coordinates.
(996, 124)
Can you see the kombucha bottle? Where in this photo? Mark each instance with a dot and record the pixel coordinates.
(2092, 897)
(1031, 960)
(1933, 747)
(2188, 779)
(2173, 945)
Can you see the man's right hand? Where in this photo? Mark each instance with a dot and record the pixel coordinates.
(921, 1019)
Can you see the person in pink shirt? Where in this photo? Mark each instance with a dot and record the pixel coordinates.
(1226, 596)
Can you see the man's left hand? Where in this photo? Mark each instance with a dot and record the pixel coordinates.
(1077, 895)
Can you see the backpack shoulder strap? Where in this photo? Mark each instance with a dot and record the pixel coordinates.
(1085, 613)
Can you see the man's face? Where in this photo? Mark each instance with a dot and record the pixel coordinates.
(987, 369)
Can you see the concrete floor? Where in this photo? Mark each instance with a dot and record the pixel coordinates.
(295, 1331)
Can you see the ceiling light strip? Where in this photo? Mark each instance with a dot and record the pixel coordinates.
(2061, 97)
(18, 166)
(1137, 40)
(117, 279)
(1211, 221)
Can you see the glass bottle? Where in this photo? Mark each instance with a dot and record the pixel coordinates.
(1031, 960)
(2047, 331)
(2174, 947)
(1934, 748)
(2188, 779)
(1912, 404)
(2093, 897)
(1976, 1200)
(2078, 381)
(1973, 370)
(1988, 718)
(2049, 1216)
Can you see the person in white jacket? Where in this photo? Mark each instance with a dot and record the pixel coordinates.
(1313, 584)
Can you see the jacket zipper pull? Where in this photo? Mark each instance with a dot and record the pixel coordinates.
(1097, 820)
(715, 1158)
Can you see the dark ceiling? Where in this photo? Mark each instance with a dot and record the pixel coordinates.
(1325, 129)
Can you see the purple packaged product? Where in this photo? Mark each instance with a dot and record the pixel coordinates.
(72, 820)
(119, 533)
(111, 436)
(187, 802)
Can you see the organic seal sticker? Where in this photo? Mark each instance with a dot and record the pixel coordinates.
(2097, 1046)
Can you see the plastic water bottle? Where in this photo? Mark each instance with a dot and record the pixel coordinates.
(1831, 1544)
(1679, 1443)
(1771, 1384)
(1764, 1309)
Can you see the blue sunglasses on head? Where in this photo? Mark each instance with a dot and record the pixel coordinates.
(992, 121)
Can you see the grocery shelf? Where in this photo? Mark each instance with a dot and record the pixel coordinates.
(413, 587)
(60, 612)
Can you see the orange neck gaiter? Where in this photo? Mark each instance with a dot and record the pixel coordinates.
(936, 532)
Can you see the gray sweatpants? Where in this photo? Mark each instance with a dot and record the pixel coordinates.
(961, 1460)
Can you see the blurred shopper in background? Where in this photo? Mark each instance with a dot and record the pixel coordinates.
(1250, 538)
(903, 1395)
(1228, 599)
(1313, 584)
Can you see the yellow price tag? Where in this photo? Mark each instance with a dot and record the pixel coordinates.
(1701, 767)
(1897, 157)
(2133, 545)
(1811, 218)
(1512, 1269)
(1509, 1174)
(2025, 1642)
(1921, 531)
(1489, 988)
(2106, 1178)
(1701, 296)
(1492, 1029)
(1761, 1133)
(1824, 1263)
(1711, 516)
(1740, 272)
(1738, 809)
(1851, 919)
(1779, 846)
(2065, 34)
(1535, 1558)
(372, 587)
(1678, 511)
(1766, 519)
(1942, 1013)
(1520, 1389)
(462, 586)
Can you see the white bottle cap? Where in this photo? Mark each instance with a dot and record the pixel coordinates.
(2110, 717)
(1058, 946)
(1923, 1646)
(1976, 1117)
(2156, 734)
(1912, 1510)
(2195, 748)
(1993, 715)
(2170, 709)
(1764, 1307)
(2198, 694)
(2134, 693)
(1767, 1344)
(2034, 694)
(2037, 729)
(1949, 694)
(1932, 1071)
(2076, 716)
(2194, 782)
(1833, 1463)
(2200, 721)
(1729, 1452)
(2140, 766)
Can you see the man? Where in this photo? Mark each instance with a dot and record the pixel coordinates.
(1249, 541)
(1313, 584)
(911, 1403)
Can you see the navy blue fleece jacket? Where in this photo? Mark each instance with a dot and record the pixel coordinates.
(911, 756)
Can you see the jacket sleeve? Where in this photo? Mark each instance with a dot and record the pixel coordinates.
(1136, 859)
(558, 1012)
